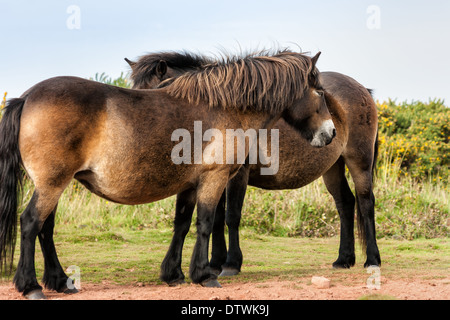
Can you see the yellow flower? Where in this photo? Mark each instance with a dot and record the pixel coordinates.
(3, 101)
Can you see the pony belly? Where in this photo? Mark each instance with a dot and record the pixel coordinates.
(117, 191)
(281, 181)
(296, 170)
(130, 190)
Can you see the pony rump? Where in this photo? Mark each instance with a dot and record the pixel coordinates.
(263, 82)
(10, 179)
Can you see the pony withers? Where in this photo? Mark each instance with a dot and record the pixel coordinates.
(117, 143)
(355, 146)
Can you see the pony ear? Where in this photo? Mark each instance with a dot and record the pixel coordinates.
(131, 63)
(315, 58)
(161, 68)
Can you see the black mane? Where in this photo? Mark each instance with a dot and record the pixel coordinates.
(145, 66)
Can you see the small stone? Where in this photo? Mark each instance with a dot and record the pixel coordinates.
(321, 282)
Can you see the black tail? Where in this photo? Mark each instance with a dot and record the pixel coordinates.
(359, 216)
(10, 179)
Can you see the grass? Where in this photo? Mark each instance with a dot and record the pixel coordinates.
(125, 256)
(405, 208)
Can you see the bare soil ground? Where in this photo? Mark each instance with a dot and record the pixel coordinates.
(299, 289)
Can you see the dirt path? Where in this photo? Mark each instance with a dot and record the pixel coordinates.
(300, 289)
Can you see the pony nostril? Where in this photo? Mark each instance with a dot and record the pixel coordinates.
(334, 133)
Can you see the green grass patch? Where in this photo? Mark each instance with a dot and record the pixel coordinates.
(125, 256)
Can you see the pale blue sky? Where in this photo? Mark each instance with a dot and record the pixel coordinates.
(406, 58)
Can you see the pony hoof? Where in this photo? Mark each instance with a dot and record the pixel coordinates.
(176, 283)
(229, 272)
(215, 271)
(67, 290)
(338, 265)
(211, 283)
(368, 265)
(35, 295)
(71, 291)
(373, 262)
(344, 262)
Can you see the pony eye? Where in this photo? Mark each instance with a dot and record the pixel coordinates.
(319, 93)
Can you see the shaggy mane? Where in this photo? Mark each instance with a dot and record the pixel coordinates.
(144, 68)
(262, 82)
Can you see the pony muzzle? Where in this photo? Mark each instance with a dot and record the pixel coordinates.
(324, 135)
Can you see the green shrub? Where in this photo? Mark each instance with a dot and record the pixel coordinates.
(416, 135)
(121, 81)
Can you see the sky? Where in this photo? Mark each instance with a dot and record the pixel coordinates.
(400, 49)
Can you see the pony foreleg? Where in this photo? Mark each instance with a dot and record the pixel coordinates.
(54, 276)
(337, 186)
(209, 192)
(236, 190)
(219, 246)
(171, 272)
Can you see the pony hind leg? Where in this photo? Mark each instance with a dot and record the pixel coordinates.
(32, 221)
(33, 224)
(54, 275)
(365, 205)
(25, 277)
(337, 185)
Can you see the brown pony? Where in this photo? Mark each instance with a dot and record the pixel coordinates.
(355, 116)
(117, 142)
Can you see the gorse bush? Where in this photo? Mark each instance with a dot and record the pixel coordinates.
(416, 136)
(3, 103)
